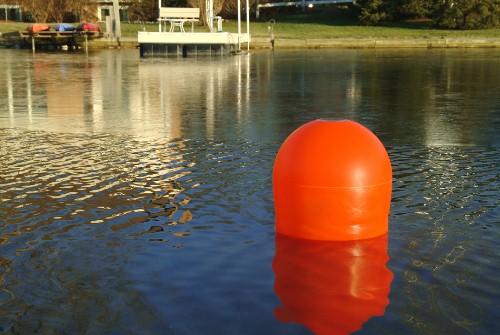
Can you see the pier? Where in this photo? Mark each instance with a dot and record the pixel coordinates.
(177, 42)
(184, 44)
(57, 39)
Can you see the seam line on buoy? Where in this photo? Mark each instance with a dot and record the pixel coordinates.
(314, 186)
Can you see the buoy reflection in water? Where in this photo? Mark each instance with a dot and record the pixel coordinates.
(331, 287)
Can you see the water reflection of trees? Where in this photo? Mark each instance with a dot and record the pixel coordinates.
(430, 96)
(423, 96)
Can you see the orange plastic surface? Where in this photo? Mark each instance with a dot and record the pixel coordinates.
(332, 180)
(331, 287)
(37, 27)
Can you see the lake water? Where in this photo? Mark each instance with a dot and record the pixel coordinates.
(136, 194)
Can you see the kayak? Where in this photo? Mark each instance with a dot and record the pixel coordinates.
(63, 27)
(37, 27)
(86, 26)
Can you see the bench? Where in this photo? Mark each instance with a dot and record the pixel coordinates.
(177, 17)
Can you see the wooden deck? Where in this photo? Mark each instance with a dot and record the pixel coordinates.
(185, 44)
(57, 38)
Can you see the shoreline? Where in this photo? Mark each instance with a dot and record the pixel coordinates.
(334, 43)
(260, 42)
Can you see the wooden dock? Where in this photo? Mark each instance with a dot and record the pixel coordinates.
(187, 44)
(56, 39)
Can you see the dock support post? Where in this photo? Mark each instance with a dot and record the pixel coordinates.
(33, 44)
(86, 44)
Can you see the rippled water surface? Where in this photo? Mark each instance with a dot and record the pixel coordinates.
(136, 194)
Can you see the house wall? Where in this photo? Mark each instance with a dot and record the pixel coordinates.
(11, 13)
(104, 10)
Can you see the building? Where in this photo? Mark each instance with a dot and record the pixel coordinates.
(105, 7)
(11, 13)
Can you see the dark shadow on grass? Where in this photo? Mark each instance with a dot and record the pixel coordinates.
(319, 18)
(325, 15)
(420, 24)
(342, 19)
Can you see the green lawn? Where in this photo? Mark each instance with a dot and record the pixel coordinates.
(304, 26)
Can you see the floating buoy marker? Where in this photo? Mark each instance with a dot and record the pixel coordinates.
(332, 181)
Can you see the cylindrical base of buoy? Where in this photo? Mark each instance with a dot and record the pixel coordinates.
(332, 180)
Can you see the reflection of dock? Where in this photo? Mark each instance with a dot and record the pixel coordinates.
(182, 44)
(56, 39)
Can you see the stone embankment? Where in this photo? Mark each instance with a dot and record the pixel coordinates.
(323, 43)
(377, 43)
(258, 42)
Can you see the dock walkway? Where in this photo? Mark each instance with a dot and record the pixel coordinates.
(56, 39)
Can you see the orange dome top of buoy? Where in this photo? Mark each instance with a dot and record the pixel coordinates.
(332, 180)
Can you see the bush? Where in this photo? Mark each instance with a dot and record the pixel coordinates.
(372, 12)
(468, 14)
(447, 14)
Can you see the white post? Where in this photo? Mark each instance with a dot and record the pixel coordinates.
(159, 22)
(248, 26)
(109, 25)
(239, 25)
(116, 22)
(209, 10)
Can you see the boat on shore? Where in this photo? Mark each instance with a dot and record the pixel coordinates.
(87, 26)
(61, 35)
(63, 27)
(37, 27)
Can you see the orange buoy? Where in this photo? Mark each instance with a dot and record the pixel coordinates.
(332, 180)
(331, 287)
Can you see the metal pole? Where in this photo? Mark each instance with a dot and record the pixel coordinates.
(159, 22)
(239, 25)
(210, 14)
(270, 27)
(248, 26)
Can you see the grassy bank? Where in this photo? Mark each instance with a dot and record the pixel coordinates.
(323, 26)
(313, 26)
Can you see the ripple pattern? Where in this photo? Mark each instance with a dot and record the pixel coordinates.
(443, 207)
(75, 209)
(54, 184)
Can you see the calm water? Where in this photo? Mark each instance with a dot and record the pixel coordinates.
(135, 194)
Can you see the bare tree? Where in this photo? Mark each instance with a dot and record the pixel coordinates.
(85, 10)
(201, 4)
(231, 6)
(145, 11)
(58, 10)
(39, 9)
(55, 11)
